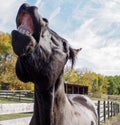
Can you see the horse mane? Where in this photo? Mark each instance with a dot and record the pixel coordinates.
(72, 56)
(72, 52)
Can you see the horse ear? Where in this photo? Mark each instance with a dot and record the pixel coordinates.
(45, 21)
(45, 26)
(72, 54)
(76, 51)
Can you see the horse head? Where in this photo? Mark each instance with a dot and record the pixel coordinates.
(44, 51)
(42, 55)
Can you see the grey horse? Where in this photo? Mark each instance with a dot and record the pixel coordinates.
(42, 55)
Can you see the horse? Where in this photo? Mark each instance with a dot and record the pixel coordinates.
(41, 58)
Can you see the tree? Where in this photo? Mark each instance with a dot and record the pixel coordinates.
(96, 83)
(114, 87)
(7, 65)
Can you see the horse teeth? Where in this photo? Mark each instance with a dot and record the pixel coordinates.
(23, 31)
(27, 33)
(20, 30)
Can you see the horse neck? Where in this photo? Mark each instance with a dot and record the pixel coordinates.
(48, 103)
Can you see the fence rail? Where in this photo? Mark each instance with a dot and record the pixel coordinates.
(17, 95)
(106, 110)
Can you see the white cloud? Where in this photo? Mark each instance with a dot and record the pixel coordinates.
(8, 11)
(96, 35)
(38, 3)
(86, 37)
(105, 60)
(54, 13)
(110, 11)
(93, 25)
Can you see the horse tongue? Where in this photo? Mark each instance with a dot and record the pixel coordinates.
(26, 23)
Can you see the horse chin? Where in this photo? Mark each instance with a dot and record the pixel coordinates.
(22, 34)
(20, 42)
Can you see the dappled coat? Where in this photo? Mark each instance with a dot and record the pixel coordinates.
(42, 55)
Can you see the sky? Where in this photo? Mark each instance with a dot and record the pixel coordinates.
(93, 25)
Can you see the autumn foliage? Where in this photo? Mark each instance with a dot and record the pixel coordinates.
(96, 83)
(7, 65)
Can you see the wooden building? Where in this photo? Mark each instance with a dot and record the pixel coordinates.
(75, 89)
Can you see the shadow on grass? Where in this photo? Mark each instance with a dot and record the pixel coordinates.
(14, 116)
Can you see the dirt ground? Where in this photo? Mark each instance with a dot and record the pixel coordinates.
(117, 122)
(113, 121)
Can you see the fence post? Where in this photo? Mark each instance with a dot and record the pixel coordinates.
(19, 96)
(111, 110)
(98, 109)
(6, 95)
(118, 108)
(114, 109)
(108, 110)
(104, 112)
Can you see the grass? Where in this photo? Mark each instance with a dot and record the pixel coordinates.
(15, 100)
(112, 121)
(14, 116)
(4, 100)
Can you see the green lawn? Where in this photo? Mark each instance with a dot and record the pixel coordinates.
(14, 116)
(113, 121)
(3, 100)
(15, 100)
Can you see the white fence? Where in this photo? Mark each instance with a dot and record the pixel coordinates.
(15, 108)
(106, 109)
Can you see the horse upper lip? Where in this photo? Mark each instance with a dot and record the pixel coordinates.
(25, 22)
